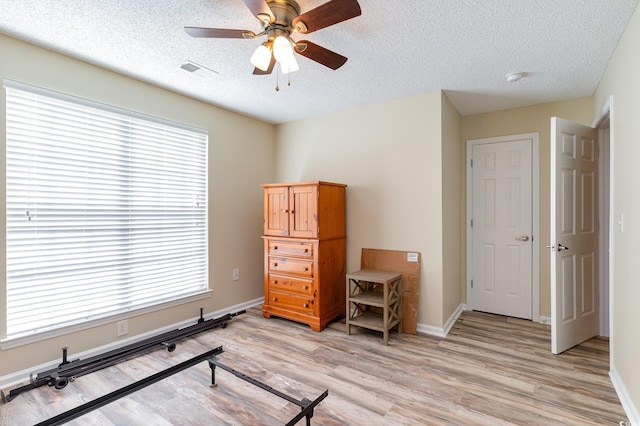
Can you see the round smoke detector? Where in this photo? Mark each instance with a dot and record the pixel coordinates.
(514, 76)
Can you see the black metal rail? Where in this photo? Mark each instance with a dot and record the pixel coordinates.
(305, 404)
(67, 371)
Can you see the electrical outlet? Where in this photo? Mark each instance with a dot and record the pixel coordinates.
(122, 328)
(236, 274)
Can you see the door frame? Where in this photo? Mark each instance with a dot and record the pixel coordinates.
(604, 124)
(535, 214)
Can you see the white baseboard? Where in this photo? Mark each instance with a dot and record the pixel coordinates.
(20, 377)
(442, 331)
(625, 399)
(545, 320)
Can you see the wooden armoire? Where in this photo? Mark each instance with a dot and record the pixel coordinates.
(305, 252)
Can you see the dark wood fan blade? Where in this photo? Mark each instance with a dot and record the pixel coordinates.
(218, 32)
(258, 71)
(330, 13)
(259, 7)
(322, 55)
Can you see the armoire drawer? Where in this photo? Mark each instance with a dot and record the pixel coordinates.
(291, 302)
(290, 285)
(290, 248)
(288, 265)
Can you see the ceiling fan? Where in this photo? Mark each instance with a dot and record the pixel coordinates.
(280, 19)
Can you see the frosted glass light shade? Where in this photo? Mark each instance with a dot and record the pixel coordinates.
(283, 52)
(261, 58)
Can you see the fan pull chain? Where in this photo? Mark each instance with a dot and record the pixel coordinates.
(278, 80)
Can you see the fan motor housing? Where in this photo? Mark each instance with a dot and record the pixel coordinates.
(284, 11)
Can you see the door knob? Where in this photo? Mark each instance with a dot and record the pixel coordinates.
(560, 247)
(523, 238)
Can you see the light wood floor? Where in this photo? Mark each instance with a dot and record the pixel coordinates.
(489, 370)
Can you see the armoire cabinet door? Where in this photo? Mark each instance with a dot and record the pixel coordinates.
(276, 209)
(303, 217)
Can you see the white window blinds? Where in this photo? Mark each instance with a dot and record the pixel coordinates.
(106, 210)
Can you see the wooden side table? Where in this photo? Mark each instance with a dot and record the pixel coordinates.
(374, 301)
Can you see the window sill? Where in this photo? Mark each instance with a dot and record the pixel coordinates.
(37, 337)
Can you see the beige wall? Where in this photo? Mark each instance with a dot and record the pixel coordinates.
(391, 157)
(531, 119)
(453, 207)
(241, 156)
(622, 81)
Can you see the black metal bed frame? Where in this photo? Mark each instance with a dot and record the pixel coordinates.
(305, 404)
(122, 392)
(67, 371)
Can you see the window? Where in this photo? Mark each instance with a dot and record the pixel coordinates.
(106, 211)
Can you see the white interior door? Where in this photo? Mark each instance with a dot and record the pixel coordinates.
(574, 234)
(502, 230)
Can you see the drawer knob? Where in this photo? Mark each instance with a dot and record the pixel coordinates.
(305, 287)
(275, 299)
(275, 281)
(306, 269)
(275, 247)
(306, 305)
(274, 265)
(306, 250)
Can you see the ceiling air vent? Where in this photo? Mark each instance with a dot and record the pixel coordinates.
(196, 69)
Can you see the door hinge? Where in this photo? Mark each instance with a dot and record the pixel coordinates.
(472, 162)
(471, 283)
(472, 223)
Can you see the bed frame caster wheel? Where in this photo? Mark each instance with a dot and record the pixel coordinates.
(61, 382)
(170, 346)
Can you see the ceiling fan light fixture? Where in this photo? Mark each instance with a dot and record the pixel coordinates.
(261, 58)
(280, 19)
(283, 53)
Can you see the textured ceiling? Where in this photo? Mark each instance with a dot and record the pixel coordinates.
(395, 49)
